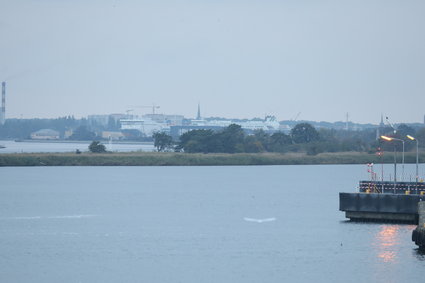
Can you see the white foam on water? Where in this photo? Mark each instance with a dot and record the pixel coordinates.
(262, 220)
(71, 216)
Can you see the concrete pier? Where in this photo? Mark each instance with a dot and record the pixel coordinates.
(418, 235)
(380, 207)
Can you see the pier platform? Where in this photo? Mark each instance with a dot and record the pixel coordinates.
(381, 207)
(383, 201)
(391, 187)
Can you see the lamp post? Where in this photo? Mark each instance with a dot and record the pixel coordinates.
(402, 161)
(417, 158)
(395, 159)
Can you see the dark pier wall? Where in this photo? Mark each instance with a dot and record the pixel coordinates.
(380, 207)
(418, 235)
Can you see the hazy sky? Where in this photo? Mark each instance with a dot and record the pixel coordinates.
(238, 58)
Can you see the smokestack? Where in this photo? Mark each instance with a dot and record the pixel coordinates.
(3, 103)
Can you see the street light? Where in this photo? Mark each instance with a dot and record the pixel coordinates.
(417, 157)
(395, 158)
(386, 138)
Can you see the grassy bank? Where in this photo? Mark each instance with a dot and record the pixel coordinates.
(186, 159)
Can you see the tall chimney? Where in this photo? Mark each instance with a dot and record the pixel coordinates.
(3, 103)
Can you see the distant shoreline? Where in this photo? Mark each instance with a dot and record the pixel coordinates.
(81, 141)
(192, 159)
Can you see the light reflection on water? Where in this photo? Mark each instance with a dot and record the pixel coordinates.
(129, 224)
(388, 240)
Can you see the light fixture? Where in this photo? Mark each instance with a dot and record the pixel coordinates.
(386, 138)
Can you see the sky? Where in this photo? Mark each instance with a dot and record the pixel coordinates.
(237, 58)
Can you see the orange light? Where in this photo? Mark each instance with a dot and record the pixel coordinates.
(386, 138)
(387, 240)
(410, 137)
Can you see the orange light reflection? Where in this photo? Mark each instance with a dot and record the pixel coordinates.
(386, 239)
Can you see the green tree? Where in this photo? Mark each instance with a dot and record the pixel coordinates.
(97, 147)
(232, 138)
(420, 135)
(229, 140)
(314, 148)
(403, 130)
(22, 128)
(196, 141)
(262, 138)
(304, 133)
(252, 145)
(279, 142)
(162, 141)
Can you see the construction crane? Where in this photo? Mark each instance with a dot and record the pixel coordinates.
(153, 106)
(296, 117)
(391, 125)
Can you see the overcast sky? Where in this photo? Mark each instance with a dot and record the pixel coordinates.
(238, 58)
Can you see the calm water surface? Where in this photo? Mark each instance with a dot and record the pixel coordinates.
(46, 146)
(187, 224)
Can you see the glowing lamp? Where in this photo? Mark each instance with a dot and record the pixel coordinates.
(410, 137)
(386, 138)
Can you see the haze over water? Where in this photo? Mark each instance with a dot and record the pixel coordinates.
(189, 224)
(240, 59)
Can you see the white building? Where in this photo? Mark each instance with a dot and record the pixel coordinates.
(174, 120)
(45, 134)
(151, 123)
(145, 125)
(268, 124)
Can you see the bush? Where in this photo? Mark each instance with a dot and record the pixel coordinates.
(162, 141)
(314, 149)
(97, 147)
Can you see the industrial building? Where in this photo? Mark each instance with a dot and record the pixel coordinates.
(176, 125)
(45, 134)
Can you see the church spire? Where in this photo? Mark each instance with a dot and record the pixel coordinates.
(198, 117)
(380, 129)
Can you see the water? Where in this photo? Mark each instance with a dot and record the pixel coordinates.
(189, 224)
(45, 146)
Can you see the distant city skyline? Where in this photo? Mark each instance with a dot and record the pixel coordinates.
(238, 59)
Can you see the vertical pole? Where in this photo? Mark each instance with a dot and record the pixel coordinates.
(395, 169)
(417, 165)
(402, 162)
(382, 173)
(3, 103)
(382, 169)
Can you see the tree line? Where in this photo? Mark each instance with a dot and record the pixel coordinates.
(302, 138)
(233, 139)
(81, 129)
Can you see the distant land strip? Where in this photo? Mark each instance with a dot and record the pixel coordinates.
(194, 159)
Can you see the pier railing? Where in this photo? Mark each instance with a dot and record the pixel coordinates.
(391, 187)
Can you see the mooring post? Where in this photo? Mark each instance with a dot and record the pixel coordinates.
(418, 235)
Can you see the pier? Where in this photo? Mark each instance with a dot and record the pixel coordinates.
(418, 235)
(389, 187)
(383, 202)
